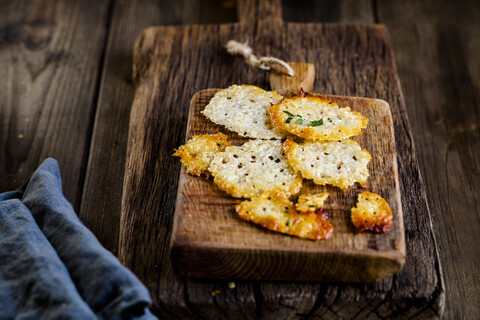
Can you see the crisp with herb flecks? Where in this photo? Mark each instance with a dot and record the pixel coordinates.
(273, 210)
(316, 118)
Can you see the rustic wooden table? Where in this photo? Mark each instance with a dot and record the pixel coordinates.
(67, 90)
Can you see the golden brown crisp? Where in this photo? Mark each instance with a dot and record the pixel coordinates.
(308, 202)
(372, 213)
(316, 118)
(199, 151)
(338, 163)
(273, 210)
(255, 167)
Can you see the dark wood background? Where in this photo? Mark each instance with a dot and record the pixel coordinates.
(66, 91)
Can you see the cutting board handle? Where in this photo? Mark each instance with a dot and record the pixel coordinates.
(263, 18)
(260, 14)
(304, 78)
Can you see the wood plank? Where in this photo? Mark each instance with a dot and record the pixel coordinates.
(100, 211)
(401, 295)
(209, 240)
(438, 64)
(50, 57)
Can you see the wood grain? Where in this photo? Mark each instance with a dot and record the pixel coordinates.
(304, 78)
(358, 61)
(440, 77)
(100, 211)
(209, 240)
(50, 55)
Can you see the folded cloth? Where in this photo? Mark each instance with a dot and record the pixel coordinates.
(109, 289)
(34, 283)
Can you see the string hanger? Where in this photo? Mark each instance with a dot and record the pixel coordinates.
(236, 48)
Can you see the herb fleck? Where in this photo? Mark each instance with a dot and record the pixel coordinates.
(316, 123)
(299, 121)
(288, 120)
(288, 223)
(297, 140)
(289, 113)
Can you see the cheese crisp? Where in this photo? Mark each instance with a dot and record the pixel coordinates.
(253, 168)
(244, 109)
(372, 212)
(273, 210)
(339, 163)
(198, 153)
(310, 202)
(316, 118)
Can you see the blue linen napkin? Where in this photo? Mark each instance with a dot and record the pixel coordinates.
(34, 283)
(109, 289)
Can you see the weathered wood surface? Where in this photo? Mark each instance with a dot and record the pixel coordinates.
(106, 161)
(50, 55)
(171, 64)
(436, 46)
(209, 240)
(442, 94)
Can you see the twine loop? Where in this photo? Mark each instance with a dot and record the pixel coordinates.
(264, 63)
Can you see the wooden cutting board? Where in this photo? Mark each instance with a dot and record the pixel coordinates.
(210, 240)
(170, 65)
